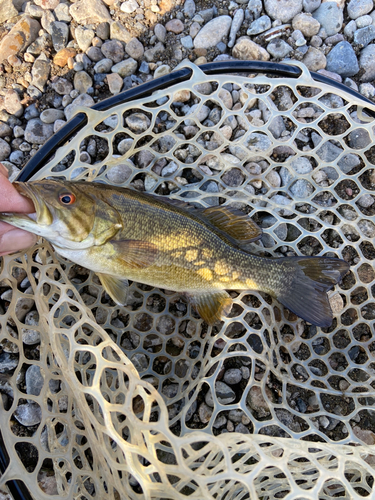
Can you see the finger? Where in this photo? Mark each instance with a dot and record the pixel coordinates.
(15, 240)
(11, 200)
(4, 171)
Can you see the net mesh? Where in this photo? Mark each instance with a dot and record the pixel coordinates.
(147, 401)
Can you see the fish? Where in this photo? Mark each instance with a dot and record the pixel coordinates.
(123, 234)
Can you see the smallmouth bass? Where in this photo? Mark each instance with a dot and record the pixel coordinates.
(123, 234)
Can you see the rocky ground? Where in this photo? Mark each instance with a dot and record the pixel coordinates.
(56, 55)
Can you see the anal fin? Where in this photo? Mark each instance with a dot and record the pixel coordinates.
(211, 306)
(116, 288)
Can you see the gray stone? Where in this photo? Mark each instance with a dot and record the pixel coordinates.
(364, 36)
(31, 112)
(255, 8)
(84, 37)
(103, 66)
(224, 394)
(306, 24)
(62, 86)
(60, 35)
(40, 72)
(7, 362)
(363, 21)
(367, 90)
(205, 413)
(114, 50)
(62, 13)
(367, 228)
(28, 414)
(144, 68)
(5, 150)
(257, 142)
(138, 122)
(81, 100)
(37, 132)
(342, 60)
(162, 70)
(89, 12)
(125, 68)
(189, 8)
(82, 82)
(301, 165)
(160, 32)
(359, 138)
(95, 54)
(47, 20)
(34, 92)
(366, 201)
(187, 42)
(330, 17)
(16, 157)
(119, 32)
(34, 380)
(102, 31)
(199, 116)
(119, 174)
(236, 25)
(314, 59)
(350, 29)
(135, 49)
(367, 63)
(311, 5)
(357, 8)
(115, 83)
(154, 53)
(213, 32)
(124, 146)
(259, 25)
(348, 162)
(169, 169)
(283, 10)
(50, 115)
(286, 176)
(279, 49)
(12, 103)
(301, 189)
(5, 130)
(129, 6)
(233, 376)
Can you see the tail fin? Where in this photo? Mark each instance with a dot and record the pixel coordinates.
(306, 284)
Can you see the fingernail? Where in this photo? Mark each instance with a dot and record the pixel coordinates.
(3, 170)
(16, 240)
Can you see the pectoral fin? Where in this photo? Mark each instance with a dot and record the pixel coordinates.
(211, 306)
(136, 253)
(234, 223)
(116, 288)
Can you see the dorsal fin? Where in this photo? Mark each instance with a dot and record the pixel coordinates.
(234, 223)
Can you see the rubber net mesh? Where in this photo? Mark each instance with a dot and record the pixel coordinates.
(131, 401)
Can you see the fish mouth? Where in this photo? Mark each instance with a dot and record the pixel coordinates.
(42, 215)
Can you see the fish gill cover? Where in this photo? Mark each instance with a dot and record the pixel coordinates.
(147, 401)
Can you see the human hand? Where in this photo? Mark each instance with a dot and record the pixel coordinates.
(13, 239)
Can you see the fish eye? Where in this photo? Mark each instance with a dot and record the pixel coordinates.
(67, 198)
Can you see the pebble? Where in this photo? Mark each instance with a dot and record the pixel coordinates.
(306, 24)
(233, 376)
(57, 125)
(115, 83)
(359, 138)
(330, 17)
(84, 37)
(114, 50)
(28, 414)
(81, 100)
(205, 413)
(40, 72)
(138, 122)
(311, 5)
(47, 4)
(154, 53)
(37, 132)
(102, 31)
(260, 25)
(350, 29)
(19, 37)
(47, 21)
(367, 227)
(357, 8)
(95, 54)
(119, 32)
(246, 49)
(129, 6)
(62, 86)
(279, 49)
(236, 24)
(6, 130)
(160, 32)
(366, 201)
(5, 150)
(363, 21)
(343, 60)
(314, 59)
(125, 68)
(89, 12)
(274, 179)
(223, 392)
(135, 49)
(187, 42)
(62, 56)
(301, 188)
(213, 32)
(34, 380)
(51, 115)
(82, 82)
(162, 70)
(62, 12)
(283, 10)
(364, 36)
(119, 173)
(367, 63)
(175, 26)
(12, 103)
(103, 66)
(60, 34)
